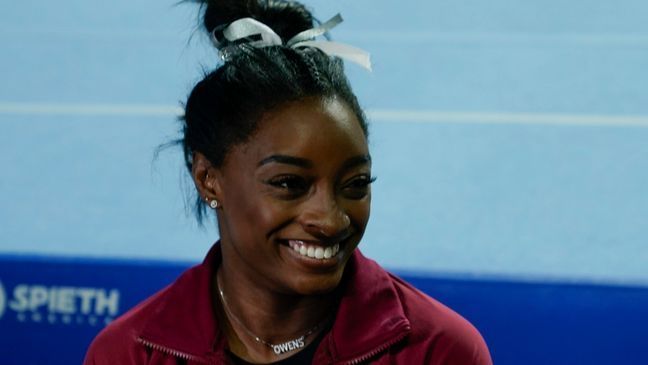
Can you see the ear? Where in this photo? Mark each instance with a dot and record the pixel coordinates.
(206, 178)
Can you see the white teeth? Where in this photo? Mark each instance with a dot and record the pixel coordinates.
(314, 251)
(327, 253)
(319, 253)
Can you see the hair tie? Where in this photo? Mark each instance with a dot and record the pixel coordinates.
(252, 32)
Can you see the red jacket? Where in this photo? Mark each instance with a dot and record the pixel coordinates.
(380, 320)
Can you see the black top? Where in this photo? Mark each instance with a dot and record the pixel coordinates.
(303, 357)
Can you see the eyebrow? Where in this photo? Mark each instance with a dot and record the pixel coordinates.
(307, 164)
(285, 159)
(356, 161)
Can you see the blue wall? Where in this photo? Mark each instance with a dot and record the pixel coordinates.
(50, 309)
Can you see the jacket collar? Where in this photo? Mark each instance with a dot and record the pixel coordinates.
(183, 320)
(370, 315)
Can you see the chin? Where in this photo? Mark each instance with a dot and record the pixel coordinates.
(318, 285)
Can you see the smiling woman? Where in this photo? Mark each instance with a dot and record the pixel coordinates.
(298, 190)
(276, 144)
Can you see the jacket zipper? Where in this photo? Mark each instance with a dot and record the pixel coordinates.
(170, 351)
(375, 352)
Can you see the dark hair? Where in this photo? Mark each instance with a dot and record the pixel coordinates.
(224, 108)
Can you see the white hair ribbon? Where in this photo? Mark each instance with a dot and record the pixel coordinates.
(256, 34)
(312, 33)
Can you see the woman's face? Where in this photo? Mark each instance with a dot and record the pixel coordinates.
(295, 198)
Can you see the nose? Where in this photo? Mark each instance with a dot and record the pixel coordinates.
(324, 219)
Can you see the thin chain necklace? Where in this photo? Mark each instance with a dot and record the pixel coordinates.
(280, 348)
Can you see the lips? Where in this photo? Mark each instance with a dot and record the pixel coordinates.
(314, 251)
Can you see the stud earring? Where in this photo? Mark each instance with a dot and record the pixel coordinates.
(213, 204)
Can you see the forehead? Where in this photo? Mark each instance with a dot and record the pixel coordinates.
(310, 128)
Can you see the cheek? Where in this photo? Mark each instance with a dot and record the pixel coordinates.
(273, 216)
(359, 212)
(256, 214)
(240, 209)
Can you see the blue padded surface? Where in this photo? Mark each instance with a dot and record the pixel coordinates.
(50, 309)
(37, 332)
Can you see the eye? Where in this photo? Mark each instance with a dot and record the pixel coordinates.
(290, 185)
(358, 186)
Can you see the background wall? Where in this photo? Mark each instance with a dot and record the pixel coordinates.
(509, 138)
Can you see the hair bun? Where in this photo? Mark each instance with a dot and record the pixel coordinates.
(286, 18)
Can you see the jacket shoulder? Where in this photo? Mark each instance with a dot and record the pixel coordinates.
(118, 342)
(446, 336)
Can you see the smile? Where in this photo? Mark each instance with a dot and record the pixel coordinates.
(314, 251)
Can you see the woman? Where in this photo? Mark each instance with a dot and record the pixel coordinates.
(276, 144)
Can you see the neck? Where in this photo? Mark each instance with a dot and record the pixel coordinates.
(270, 313)
(251, 309)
